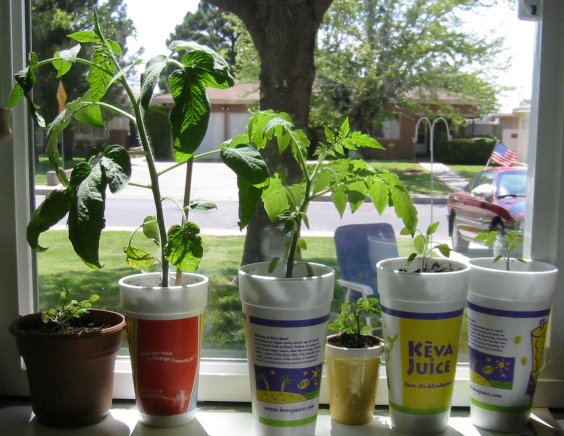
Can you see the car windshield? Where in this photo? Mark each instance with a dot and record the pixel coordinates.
(512, 184)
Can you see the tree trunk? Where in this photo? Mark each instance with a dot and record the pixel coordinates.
(284, 33)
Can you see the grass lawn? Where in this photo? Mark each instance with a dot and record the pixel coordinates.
(60, 267)
(416, 179)
(43, 165)
(467, 171)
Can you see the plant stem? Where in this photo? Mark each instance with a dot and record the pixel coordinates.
(141, 129)
(187, 191)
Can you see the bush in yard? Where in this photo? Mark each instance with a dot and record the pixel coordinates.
(158, 125)
(474, 150)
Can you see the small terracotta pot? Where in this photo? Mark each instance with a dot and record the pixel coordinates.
(70, 377)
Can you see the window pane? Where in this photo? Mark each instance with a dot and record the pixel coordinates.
(59, 267)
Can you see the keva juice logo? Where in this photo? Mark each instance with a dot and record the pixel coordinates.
(429, 358)
(428, 349)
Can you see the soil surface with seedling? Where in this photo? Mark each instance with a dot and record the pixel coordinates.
(84, 326)
(434, 267)
(352, 340)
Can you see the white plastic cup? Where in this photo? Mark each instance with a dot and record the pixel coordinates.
(285, 327)
(422, 318)
(507, 323)
(165, 332)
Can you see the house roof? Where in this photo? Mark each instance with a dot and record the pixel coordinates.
(241, 93)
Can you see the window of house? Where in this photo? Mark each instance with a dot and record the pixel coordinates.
(388, 129)
(544, 227)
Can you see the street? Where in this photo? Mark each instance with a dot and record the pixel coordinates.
(128, 213)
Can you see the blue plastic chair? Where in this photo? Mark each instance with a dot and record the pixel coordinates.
(359, 247)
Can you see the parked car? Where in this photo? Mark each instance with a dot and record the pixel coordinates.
(493, 200)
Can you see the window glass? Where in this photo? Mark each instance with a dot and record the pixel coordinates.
(224, 335)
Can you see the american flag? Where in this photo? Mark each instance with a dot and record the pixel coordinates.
(502, 155)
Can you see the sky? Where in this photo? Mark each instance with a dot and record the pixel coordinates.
(155, 24)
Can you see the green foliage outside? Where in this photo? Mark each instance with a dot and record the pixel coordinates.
(469, 151)
(374, 56)
(158, 128)
(52, 21)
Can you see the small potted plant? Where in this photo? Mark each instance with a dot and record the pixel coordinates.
(422, 299)
(509, 304)
(164, 309)
(286, 302)
(352, 362)
(69, 352)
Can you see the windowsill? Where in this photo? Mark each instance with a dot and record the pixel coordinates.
(235, 419)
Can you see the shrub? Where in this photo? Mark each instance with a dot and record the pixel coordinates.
(474, 150)
(158, 126)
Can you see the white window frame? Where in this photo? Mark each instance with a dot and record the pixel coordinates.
(222, 380)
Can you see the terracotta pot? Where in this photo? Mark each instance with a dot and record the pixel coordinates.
(70, 377)
(352, 378)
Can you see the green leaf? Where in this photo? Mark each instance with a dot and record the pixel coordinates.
(419, 244)
(402, 203)
(358, 140)
(345, 129)
(487, 238)
(323, 181)
(117, 167)
(100, 74)
(184, 248)
(273, 264)
(124, 72)
(210, 67)
(26, 79)
(89, 114)
(138, 258)
(406, 232)
(85, 36)
(212, 70)
(151, 229)
(15, 96)
(54, 131)
(296, 193)
(66, 59)
(150, 78)
(53, 209)
(378, 192)
(275, 198)
(432, 228)
(201, 205)
(339, 198)
(249, 196)
(247, 163)
(356, 194)
(444, 249)
(86, 217)
(190, 115)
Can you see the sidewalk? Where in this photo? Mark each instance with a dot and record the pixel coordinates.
(213, 181)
